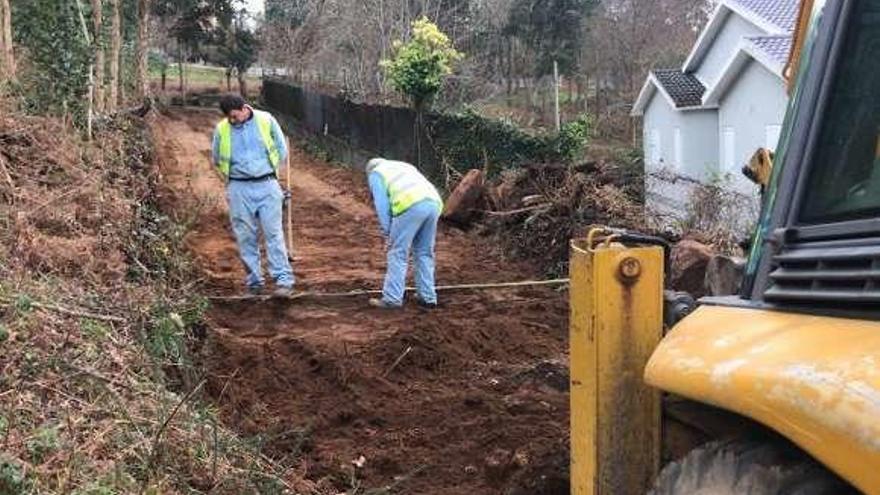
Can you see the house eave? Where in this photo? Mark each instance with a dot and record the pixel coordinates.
(734, 67)
(769, 27)
(648, 88)
(777, 68)
(697, 108)
(716, 22)
(652, 86)
(707, 36)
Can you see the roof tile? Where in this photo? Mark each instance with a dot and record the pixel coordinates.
(781, 13)
(684, 89)
(775, 47)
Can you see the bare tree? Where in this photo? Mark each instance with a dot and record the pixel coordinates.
(7, 67)
(3, 4)
(628, 38)
(115, 53)
(142, 80)
(337, 45)
(98, 19)
(163, 40)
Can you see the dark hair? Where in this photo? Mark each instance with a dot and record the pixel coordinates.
(230, 102)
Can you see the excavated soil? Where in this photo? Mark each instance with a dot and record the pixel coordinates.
(468, 399)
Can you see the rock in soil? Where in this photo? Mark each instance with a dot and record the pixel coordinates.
(689, 260)
(724, 275)
(466, 199)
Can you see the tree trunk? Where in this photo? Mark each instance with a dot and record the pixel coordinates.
(597, 80)
(164, 75)
(91, 92)
(2, 41)
(539, 88)
(509, 71)
(583, 89)
(6, 42)
(419, 107)
(229, 80)
(180, 68)
(630, 128)
(98, 20)
(181, 64)
(142, 80)
(115, 53)
(242, 84)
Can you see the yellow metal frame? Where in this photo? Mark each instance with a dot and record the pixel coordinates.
(800, 34)
(814, 379)
(616, 323)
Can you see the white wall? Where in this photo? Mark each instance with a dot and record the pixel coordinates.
(687, 152)
(683, 148)
(752, 112)
(697, 132)
(724, 46)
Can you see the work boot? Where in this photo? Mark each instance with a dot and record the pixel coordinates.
(425, 304)
(382, 304)
(255, 290)
(283, 291)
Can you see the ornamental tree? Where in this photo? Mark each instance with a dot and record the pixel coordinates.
(418, 67)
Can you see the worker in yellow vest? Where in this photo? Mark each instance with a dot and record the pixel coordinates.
(408, 207)
(248, 149)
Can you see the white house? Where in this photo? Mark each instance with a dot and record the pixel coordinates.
(704, 121)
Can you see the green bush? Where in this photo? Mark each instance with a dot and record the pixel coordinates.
(55, 74)
(572, 139)
(12, 478)
(43, 441)
(419, 66)
(469, 140)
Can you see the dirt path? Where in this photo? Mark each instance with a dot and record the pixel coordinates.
(476, 405)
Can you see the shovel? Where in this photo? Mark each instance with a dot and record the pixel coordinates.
(289, 207)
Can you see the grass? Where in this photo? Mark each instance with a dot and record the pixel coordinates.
(520, 108)
(198, 74)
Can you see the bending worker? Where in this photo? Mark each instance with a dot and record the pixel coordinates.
(408, 207)
(248, 149)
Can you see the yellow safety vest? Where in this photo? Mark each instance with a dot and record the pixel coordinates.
(224, 131)
(406, 186)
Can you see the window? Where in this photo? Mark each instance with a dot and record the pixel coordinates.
(772, 133)
(654, 150)
(728, 150)
(844, 180)
(679, 152)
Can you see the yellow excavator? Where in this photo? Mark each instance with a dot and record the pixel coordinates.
(775, 390)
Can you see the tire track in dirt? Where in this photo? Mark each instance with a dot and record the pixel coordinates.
(469, 405)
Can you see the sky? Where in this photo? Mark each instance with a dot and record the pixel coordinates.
(254, 6)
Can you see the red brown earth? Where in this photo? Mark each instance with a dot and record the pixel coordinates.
(470, 398)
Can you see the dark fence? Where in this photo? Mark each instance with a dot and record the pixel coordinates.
(354, 132)
(369, 130)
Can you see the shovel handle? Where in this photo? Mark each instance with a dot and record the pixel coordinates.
(289, 206)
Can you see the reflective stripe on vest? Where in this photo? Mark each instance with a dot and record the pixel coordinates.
(224, 131)
(406, 186)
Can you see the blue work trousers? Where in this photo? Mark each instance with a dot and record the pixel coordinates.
(253, 204)
(415, 228)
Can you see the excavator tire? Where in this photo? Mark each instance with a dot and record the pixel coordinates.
(734, 467)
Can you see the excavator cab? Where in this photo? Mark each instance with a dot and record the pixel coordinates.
(783, 379)
(827, 185)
